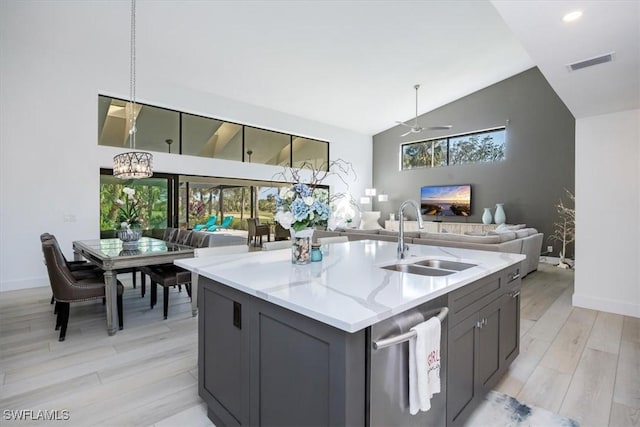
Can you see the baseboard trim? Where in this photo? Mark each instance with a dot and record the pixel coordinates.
(32, 282)
(610, 306)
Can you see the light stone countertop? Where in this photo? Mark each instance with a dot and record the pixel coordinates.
(348, 289)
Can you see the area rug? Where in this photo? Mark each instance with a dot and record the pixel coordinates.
(501, 410)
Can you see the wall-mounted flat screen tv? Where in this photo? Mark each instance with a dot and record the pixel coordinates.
(446, 200)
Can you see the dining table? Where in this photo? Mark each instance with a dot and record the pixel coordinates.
(112, 255)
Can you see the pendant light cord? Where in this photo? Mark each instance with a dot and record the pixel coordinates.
(132, 77)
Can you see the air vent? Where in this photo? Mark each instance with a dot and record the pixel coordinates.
(601, 59)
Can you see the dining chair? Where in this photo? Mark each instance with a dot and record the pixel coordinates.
(255, 230)
(67, 289)
(272, 246)
(332, 239)
(183, 237)
(170, 275)
(169, 234)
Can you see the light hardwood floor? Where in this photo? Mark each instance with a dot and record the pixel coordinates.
(580, 363)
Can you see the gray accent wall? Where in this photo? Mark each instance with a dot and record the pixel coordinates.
(540, 154)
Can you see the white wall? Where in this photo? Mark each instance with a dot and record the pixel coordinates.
(608, 213)
(56, 57)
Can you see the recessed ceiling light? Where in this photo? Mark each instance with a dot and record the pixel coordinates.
(572, 16)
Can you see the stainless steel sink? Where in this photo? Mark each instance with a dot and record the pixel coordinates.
(447, 265)
(429, 267)
(417, 269)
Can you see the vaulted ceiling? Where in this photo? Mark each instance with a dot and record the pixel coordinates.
(353, 64)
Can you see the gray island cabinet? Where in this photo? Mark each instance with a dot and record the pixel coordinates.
(287, 345)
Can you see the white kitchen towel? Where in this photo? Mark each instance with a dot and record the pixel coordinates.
(424, 365)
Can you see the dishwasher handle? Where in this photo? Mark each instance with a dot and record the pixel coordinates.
(388, 342)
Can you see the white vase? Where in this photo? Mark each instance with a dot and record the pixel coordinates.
(486, 216)
(500, 217)
(301, 246)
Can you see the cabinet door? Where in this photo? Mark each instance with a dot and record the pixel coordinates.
(461, 369)
(222, 362)
(489, 344)
(510, 327)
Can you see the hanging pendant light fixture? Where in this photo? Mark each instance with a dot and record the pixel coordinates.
(133, 164)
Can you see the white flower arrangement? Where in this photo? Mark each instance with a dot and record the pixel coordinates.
(297, 208)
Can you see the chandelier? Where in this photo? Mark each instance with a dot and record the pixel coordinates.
(133, 164)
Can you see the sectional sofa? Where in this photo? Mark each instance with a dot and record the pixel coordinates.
(526, 241)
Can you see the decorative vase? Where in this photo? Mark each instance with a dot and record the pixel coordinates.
(129, 238)
(486, 216)
(500, 217)
(301, 246)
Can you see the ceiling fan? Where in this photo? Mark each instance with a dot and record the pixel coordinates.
(415, 128)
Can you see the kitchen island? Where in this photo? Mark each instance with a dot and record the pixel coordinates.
(283, 344)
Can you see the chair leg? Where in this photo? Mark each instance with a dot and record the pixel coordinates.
(133, 277)
(143, 284)
(55, 308)
(120, 312)
(52, 299)
(188, 286)
(59, 316)
(64, 312)
(154, 293)
(166, 302)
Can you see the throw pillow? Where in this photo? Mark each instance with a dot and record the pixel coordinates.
(369, 220)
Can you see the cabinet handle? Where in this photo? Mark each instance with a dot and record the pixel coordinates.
(514, 277)
(237, 315)
(484, 321)
(479, 324)
(515, 294)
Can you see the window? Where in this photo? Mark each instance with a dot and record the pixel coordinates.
(205, 137)
(175, 132)
(477, 147)
(153, 199)
(266, 147)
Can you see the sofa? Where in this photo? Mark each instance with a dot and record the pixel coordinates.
(510, 239)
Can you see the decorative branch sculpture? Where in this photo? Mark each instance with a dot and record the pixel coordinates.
(565, 228)
(343, 205)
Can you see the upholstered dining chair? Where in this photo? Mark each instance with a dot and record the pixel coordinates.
(67, 289)
(256, 230)
(169, 234)
(79, 269)
(170, 275)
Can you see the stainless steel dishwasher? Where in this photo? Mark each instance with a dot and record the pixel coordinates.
(388, 381)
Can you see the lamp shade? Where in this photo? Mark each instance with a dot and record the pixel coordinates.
(133, 165)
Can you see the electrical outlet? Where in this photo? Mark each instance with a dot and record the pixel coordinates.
(549, 248)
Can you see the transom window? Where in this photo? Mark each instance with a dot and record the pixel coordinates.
(176, 132)
(476, 147)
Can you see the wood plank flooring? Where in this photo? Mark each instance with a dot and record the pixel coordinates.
(580, 363)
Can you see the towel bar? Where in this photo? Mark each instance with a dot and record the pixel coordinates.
(387, 342)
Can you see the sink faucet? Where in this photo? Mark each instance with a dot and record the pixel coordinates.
(402, 248)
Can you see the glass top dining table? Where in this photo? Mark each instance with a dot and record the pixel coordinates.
(110, 256)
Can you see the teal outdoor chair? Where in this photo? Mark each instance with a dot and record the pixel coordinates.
(226, 222)
(210, 223)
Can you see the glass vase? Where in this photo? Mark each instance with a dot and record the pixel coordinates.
(301, 246)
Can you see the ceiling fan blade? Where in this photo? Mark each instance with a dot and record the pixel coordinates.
(407, 132)
(445, 127)
(404, 124)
